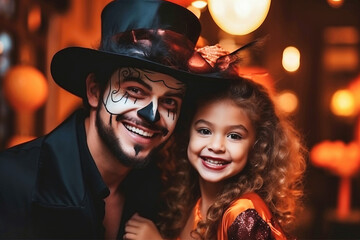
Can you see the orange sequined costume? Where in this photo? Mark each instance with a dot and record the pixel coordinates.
(246, 218)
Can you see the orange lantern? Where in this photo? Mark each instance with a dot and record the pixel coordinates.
(339, 158)
(25, 88)
(343, 160)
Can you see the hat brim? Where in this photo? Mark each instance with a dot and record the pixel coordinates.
(71, 66)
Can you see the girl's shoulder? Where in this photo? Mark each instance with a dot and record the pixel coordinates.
(249, 216)
(246, 202)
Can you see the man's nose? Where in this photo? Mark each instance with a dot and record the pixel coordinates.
(150, 112)
(217, 144)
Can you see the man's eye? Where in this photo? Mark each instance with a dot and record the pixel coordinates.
(169, 101)
(235, 136)
(204, 131)
(134, 91)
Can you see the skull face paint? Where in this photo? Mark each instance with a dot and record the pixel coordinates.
(142, 108)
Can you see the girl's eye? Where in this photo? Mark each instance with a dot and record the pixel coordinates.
(235, 136)
(204, 131)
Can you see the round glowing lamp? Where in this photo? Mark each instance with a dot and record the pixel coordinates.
(25, 88)
(343, 103)
(239, 17)
(335, 3)
(200, 4)
(288, 101)
(291, 59)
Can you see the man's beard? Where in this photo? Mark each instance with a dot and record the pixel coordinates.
(112, 142)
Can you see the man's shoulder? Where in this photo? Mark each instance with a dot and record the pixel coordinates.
(20, 162)
(18, 171)
(25, 157)
(20, 153)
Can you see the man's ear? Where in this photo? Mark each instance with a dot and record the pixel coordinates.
(92, 90)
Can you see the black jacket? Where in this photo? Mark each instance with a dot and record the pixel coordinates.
(50, 188)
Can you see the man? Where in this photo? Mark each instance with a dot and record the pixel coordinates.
(92, 173)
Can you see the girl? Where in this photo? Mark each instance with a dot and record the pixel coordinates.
(242, 178)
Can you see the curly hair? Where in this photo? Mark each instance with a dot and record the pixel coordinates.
(274, 170)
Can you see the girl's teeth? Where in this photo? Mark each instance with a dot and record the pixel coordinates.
(215, 162)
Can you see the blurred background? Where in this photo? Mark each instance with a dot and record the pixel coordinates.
(309, 59)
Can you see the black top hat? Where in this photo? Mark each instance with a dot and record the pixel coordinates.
(150, 34)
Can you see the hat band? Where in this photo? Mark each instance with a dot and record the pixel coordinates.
(163, 46)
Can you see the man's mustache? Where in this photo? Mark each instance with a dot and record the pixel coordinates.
(145, 124)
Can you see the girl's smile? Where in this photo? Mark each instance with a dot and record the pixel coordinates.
(221, 136)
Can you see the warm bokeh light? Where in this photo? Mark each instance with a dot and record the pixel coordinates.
(354, 88)
(335, 3)
(343, 103)
(337, 157)
(346, 35)
(291, 59)
(342, 160)
(25, 88)
(34, 18)
(287, 101)
(239, 17)
(200, 4)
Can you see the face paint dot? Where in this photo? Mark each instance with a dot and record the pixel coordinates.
(137, 149)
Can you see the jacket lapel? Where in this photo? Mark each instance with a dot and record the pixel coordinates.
(61, 205)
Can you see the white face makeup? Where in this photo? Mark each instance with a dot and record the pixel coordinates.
(122, 95)
(142, 109)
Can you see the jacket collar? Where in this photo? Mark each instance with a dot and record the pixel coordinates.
(66, 166)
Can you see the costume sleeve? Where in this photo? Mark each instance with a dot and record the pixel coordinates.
(249, 225)
(249, 218)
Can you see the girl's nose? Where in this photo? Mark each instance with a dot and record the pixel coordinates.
(217, 144)
(150, 112)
